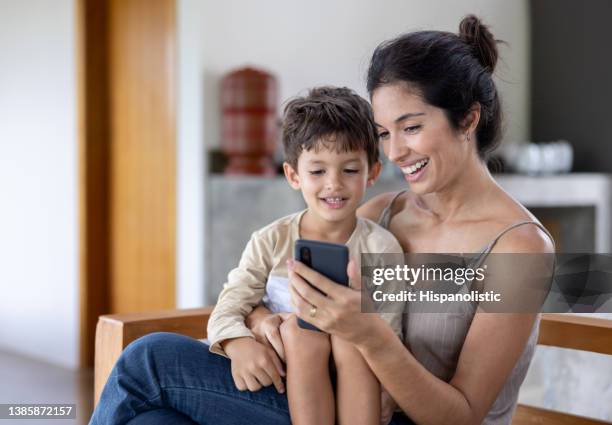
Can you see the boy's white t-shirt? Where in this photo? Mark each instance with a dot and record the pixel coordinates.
(262, 275)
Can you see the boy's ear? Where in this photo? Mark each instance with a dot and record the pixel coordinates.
(374, 172)
(292, 176)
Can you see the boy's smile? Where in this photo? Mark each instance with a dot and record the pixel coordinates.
(335, 202)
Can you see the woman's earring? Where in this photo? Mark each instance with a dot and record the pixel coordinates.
(467, 136)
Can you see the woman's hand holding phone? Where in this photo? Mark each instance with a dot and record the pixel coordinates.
(338, 313)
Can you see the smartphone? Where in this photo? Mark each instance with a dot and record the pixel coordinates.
(329, 259)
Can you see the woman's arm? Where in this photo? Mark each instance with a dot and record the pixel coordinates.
(493, 345)
(491, 349)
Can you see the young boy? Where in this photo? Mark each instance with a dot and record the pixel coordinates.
(331, 155)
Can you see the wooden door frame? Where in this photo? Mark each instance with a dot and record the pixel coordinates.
(95, 22)
(93, 78)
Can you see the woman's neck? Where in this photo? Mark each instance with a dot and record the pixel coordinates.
(464, 197)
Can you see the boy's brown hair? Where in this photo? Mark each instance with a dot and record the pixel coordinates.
(330, 117)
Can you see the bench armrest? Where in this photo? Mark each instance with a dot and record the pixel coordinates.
(576, 332)
(114, 332)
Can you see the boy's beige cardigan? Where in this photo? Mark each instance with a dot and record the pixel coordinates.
(265, 256)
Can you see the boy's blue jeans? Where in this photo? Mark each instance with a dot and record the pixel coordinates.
(165, 378)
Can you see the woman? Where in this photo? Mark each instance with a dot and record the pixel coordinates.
(438, 115)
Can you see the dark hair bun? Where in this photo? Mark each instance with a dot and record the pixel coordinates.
(477, 35)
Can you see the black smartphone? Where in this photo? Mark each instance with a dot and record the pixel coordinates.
(329, 259)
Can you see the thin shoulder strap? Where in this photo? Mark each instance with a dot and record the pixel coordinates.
(512, 226)
(478, 260)
(385, 215)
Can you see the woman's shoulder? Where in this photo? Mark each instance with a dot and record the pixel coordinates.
(374, 207)
(527, 237)
(521, 232)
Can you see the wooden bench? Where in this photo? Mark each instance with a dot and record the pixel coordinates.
(114, 332)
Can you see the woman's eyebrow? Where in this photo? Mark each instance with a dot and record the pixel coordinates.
(403, 117)
(408, 115)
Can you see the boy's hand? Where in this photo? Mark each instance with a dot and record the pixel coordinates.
(254, 365)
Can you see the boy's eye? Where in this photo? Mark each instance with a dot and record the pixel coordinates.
(316, 172)
(351, 170)
(412, 129)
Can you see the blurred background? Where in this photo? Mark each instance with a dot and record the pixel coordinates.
(117, 122)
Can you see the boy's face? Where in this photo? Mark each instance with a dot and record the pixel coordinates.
(332, 183)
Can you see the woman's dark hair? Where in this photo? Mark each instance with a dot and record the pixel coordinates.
(450, 71)
(334, 117)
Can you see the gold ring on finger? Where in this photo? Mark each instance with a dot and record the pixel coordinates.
(313, 311)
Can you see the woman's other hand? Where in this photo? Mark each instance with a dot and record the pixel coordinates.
(254, 365)
(266, 329)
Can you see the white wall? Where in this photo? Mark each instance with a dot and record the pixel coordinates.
(306, 44)
(191, 163)
(322, 42)
(38, 180)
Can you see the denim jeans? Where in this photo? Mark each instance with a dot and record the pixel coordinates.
(165, 378)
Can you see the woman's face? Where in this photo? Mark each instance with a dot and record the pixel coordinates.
(419, 138)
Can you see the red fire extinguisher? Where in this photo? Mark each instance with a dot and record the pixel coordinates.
(249, 102)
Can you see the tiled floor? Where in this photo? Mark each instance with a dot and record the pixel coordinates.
(26, 380)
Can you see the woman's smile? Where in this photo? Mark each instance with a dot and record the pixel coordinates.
(414, 171)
